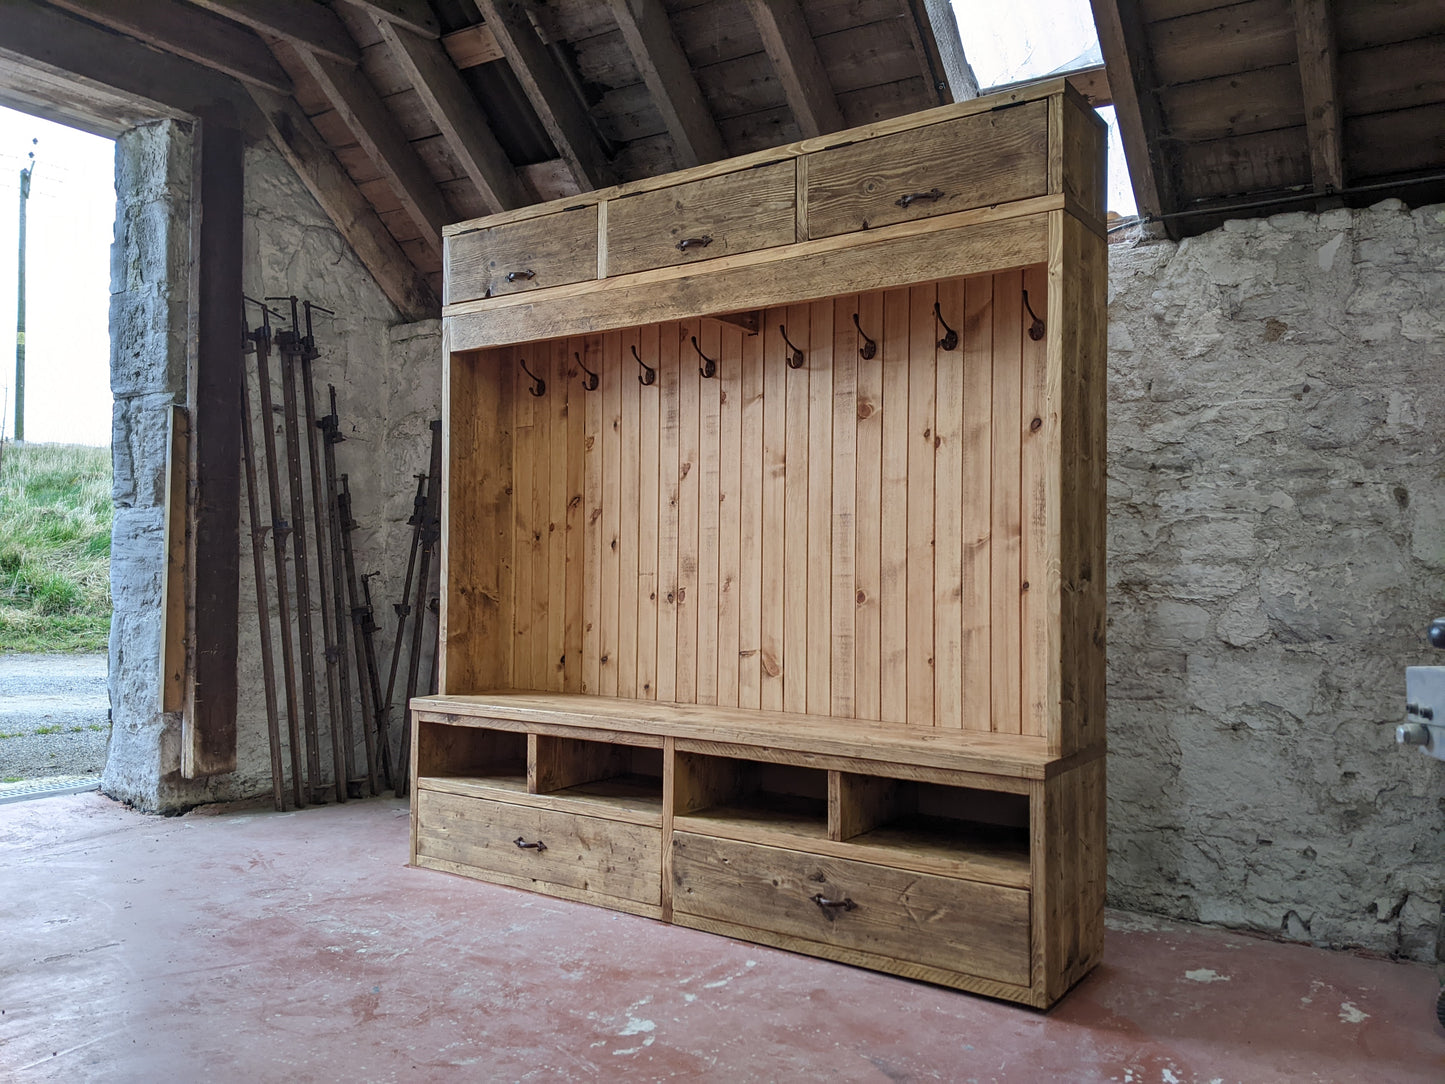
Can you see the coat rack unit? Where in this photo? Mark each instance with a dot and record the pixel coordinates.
(791, 626)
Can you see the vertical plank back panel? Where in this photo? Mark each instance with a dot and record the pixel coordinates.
(869, 538)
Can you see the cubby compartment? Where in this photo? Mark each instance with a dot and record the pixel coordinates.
(607, 779)
(471, 755)
(731, 796)
(933, 827)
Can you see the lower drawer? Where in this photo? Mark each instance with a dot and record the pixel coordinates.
(587, 854)
(962, 926)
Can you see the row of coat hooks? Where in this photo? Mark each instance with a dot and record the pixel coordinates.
(796, 358)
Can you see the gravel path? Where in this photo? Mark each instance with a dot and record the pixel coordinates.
(54, 716)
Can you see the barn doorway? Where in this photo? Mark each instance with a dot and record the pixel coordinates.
(57, 215)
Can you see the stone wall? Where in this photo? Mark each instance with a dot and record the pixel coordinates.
(1276, 549)
(388, 383)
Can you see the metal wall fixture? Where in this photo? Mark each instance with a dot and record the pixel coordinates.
(795, 356)
(589, 382)
(539, 386)
(1036, 329)
(709, 366)
(648, 376)
(869, 349)
(950, 338)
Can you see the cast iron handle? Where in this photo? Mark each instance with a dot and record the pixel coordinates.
(829, 906)
(513, 276)
(694, 242)
(933, 194)
(539, 846)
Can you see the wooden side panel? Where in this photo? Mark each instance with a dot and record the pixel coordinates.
(1039, 520)
(1077, 348)
(1069, 849)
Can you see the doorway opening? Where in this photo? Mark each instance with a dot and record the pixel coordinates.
(57, 214)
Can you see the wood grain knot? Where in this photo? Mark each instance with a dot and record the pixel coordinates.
(1036, 425)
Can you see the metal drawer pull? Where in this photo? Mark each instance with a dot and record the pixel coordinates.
(694, 242)
(829, 906)
(539, 846)
(933, 194)
(513, 276)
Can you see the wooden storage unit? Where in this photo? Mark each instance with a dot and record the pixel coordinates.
(807, 655)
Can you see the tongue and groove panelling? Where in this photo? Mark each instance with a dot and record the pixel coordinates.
(859, 537)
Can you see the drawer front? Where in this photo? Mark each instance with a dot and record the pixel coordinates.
(963, 926)
(552, 250)
(583, 853)
(719, 216)
(973, 161)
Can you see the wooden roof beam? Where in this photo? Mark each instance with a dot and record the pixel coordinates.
(414, 15)
(1136, 108)
(304, 24)
(935, 36)
(376, 130)
(454, 109)
(665, 69)
(548, 89)
(790, 46)
(300, 143)
(1318, 60)
(188, 32)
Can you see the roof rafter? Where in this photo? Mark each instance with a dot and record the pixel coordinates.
(414, 15)
(456, 113)
(188, 32)
(304, 24)
(376, 130)
(1131, 82)
(665, 69)
(354, 218)
(790, 46)
(1318, 59)
(550, 92)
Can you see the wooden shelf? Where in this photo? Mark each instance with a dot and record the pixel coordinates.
(756, 817)
(977, 852)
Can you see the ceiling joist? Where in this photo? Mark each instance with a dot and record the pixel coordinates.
(188, 32)
(414, 15)
(794, 55)
(1136, 107)
(1318, 60)
(454, 110)
(550, 92)
(668, 75)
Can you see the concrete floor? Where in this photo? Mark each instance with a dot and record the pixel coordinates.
(249, 945)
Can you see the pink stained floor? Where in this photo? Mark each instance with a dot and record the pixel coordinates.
(254, 946)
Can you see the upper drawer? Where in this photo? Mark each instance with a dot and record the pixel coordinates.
(552, 250)
(719, 216)
(973, 161)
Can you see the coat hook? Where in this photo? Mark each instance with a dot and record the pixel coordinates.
(710, 368)
(589, 382)
(1036, 329)
(950, 340)
(648, 376)
(795, 356)
(539, 386)
(869, 349)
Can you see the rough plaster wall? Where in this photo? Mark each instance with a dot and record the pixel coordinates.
(1276, 548)
(388, 383)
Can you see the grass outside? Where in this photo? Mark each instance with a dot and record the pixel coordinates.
(55, 516)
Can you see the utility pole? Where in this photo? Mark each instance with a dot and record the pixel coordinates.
(25, 175)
